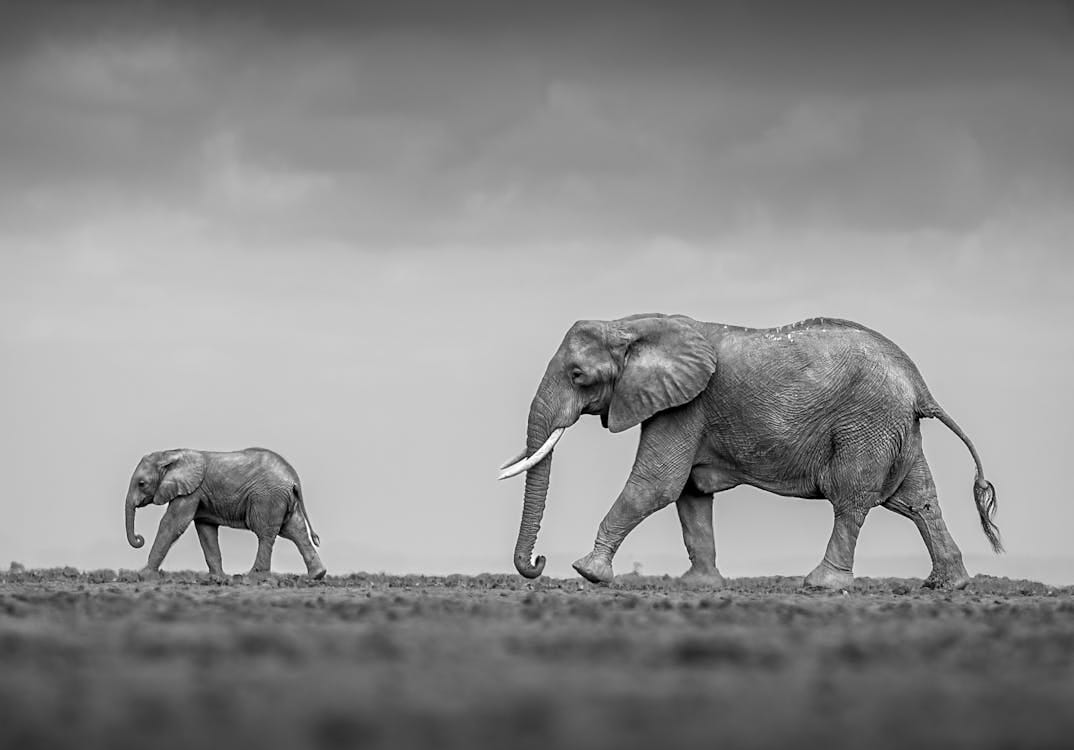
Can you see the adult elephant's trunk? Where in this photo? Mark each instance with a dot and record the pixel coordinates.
(532, 512)
(135, 540)
(540, 438)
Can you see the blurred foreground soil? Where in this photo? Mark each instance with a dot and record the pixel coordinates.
(103, 660)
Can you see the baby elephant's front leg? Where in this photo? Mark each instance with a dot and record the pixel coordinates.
(173, 523)
(209, 536)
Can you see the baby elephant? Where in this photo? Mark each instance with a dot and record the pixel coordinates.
(253, 489)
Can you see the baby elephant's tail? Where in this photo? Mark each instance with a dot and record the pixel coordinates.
(984, 494)
(302, 507)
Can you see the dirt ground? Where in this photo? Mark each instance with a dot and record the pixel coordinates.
(102, 660)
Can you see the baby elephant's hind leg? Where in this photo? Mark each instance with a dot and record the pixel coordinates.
(916, 499)
(294, 528)
(263, 561)
(264, 517)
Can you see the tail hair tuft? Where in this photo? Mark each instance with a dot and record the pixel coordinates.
(985, 496)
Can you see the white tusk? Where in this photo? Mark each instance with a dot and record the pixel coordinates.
(514, 460)
(527, 463)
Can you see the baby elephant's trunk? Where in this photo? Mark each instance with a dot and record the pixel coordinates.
(135, 540)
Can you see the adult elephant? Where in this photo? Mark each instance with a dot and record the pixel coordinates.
(253, 489)
(823, 408)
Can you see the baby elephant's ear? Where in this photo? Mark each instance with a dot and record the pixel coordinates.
(667, 363)
(181, 473)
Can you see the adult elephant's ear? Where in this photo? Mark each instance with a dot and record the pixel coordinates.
(181, 473)
(666, 362)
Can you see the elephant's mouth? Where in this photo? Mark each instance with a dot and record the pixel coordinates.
(522, 463)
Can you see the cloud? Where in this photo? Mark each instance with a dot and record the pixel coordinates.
(243, 186)
(390, 126)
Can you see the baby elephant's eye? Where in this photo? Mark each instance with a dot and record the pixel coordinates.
(141, 483)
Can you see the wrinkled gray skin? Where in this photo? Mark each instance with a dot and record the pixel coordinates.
(253, 489)
(822, 408)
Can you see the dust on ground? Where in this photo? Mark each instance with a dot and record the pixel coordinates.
(103, 660)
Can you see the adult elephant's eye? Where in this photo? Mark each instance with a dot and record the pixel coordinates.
(580, 377)
(141, 483)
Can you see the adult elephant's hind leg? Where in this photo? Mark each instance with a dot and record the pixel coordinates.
(695, 516)
(916, 499)
(836, 570)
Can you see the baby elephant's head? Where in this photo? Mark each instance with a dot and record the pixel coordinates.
(160, 478)
(145, 480)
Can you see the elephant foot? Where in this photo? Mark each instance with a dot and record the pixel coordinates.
(257, 576)
(594, 568)
(149, 574)
(948, 577)
(707, 577)
(825, 577)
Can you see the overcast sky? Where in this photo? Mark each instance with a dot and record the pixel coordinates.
(356, 232)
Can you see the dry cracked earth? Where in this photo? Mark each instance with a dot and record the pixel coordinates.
(103, 660)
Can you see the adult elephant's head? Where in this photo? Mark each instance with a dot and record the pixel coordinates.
(160, 478)
(626, 371)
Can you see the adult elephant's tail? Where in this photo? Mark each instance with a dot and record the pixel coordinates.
(984, 494)
(302, 507)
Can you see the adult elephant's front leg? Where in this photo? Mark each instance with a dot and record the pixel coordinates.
(173, 523)
(661, 468)
(695, 516)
